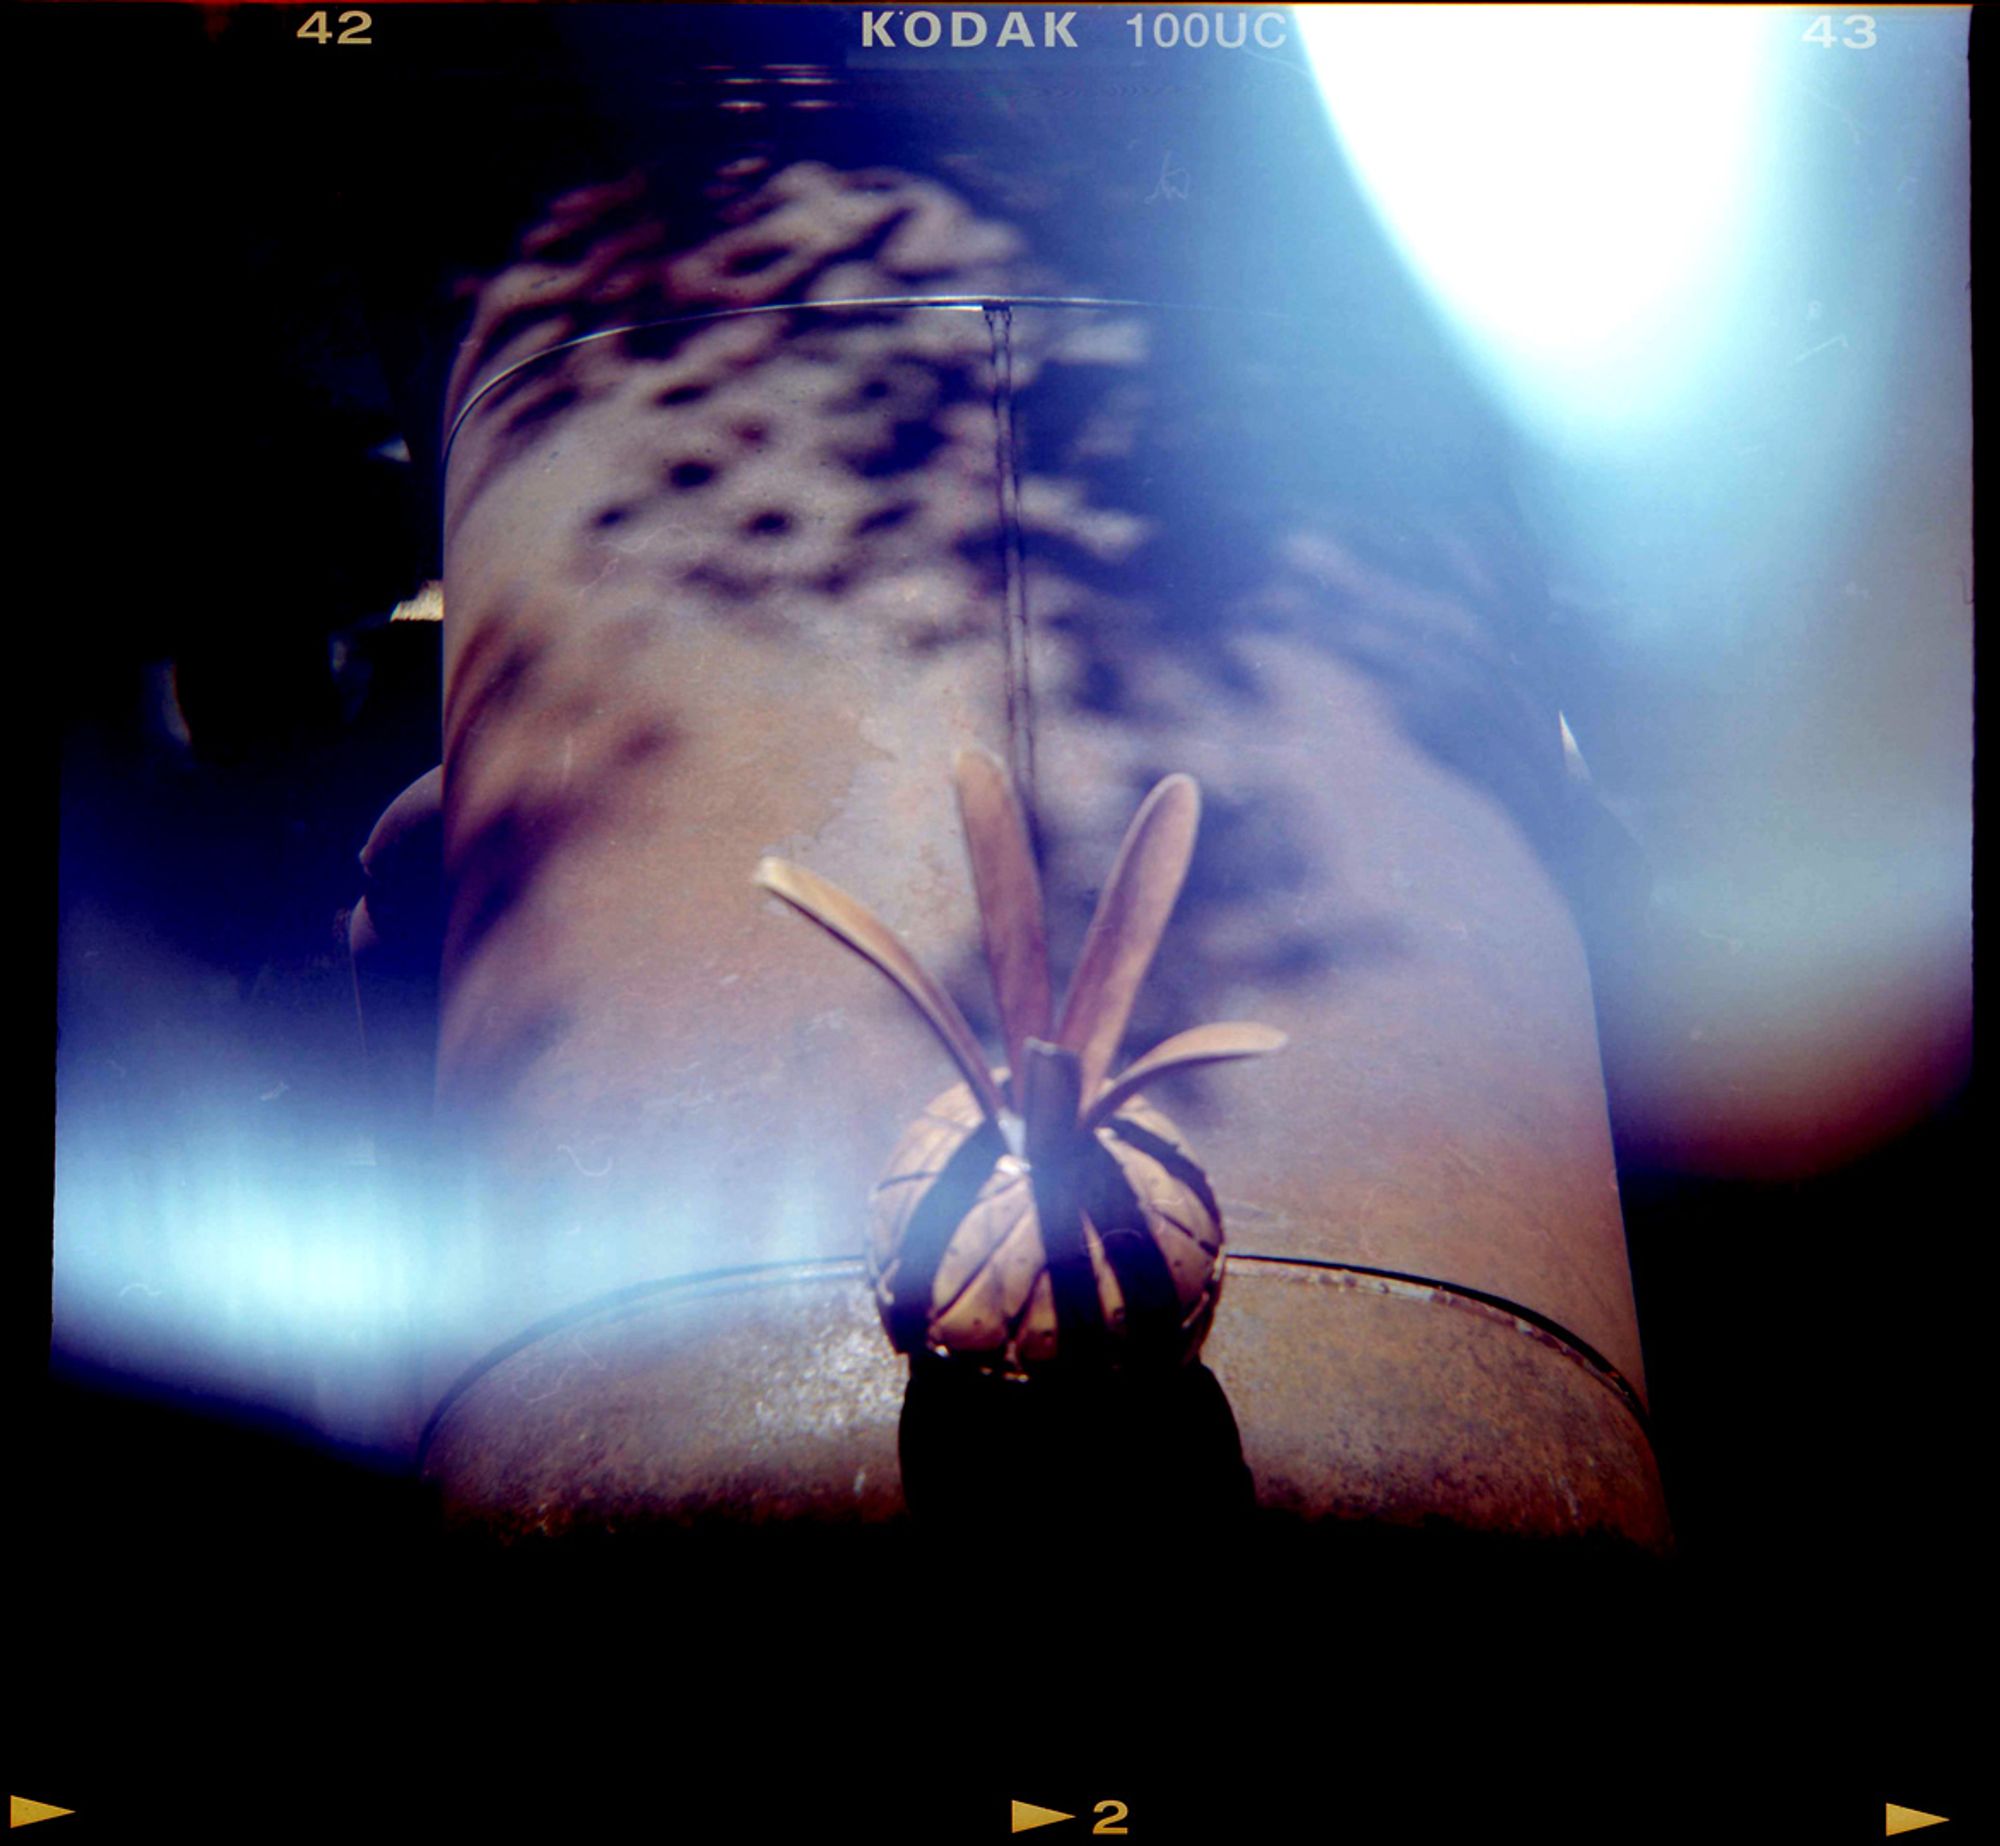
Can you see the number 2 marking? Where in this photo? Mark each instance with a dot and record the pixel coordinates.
(1108, 1824)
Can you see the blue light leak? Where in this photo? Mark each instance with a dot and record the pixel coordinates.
(1577, 187)
(1712, 264)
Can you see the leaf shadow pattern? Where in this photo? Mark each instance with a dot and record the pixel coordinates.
(505, 697)
(1336, 495)
(1195, 491)
(620, 282)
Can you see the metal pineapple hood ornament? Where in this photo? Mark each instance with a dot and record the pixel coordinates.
(1044, 1213)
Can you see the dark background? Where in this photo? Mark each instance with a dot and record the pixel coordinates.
(237, 263)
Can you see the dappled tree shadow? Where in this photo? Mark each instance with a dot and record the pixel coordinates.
(607, 269)
(1195, 490)
(605, 754)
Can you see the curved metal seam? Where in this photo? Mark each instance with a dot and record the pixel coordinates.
(1422, 1289)
(825, 1269)
(1529, 1320)
(959, 303)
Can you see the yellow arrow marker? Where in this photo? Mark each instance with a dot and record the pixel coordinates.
(1908, 1820)
(1027, 1815)
(21, 1812)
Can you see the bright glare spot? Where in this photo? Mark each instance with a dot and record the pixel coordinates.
(1574, 184)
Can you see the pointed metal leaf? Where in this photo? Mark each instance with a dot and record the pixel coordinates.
(1132, 914)
(1214, 1044)
(864, 932)
(1051, 1092)
(1010, 903)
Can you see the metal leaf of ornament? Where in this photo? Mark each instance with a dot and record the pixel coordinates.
(1051, 1092)
(1010, 905)
(1214, 1044)
(862, 930)
(1130, 919)
(1073, 1226)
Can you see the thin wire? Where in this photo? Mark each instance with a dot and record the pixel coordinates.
(969, 304)
(1014, 573)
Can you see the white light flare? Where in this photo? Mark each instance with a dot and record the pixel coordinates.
(1577, 186)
